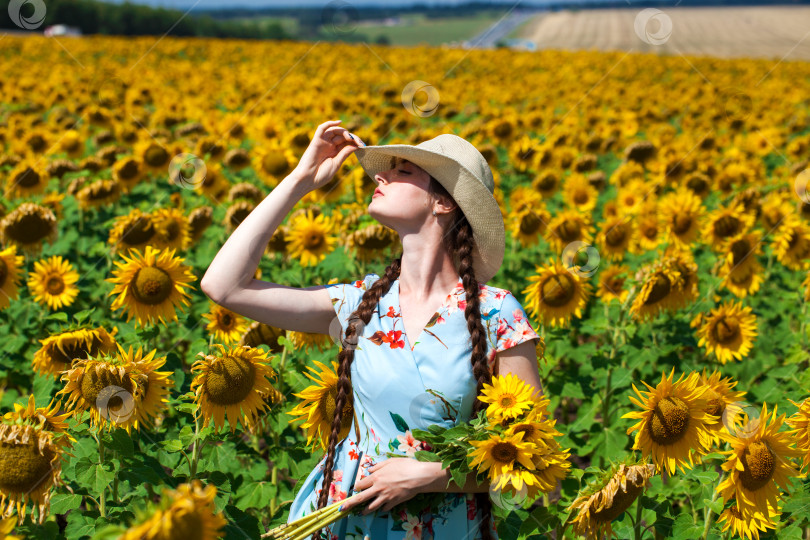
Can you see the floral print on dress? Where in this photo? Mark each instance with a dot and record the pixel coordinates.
(401, 384)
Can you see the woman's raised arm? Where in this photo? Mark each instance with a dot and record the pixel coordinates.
(229, 279)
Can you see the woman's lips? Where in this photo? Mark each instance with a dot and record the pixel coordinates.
(376, 192)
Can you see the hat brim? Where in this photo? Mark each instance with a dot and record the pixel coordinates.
(476, 201)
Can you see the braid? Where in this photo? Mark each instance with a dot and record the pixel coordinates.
(368, 304)
(460, 242)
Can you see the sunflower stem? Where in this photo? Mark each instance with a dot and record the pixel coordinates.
(637, 523)
(707, 512)
(276, 434)
(102, 507)
(196, 448)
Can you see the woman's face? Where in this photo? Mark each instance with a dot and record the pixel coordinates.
(405, 203)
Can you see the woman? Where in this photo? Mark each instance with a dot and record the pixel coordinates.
(404, 363)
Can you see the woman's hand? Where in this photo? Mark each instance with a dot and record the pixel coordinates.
(392, 481)
(327, 151)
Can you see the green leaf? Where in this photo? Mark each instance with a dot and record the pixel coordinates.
(256, 495)
(62, 502)
(399, 422)
(425, 455)
(685, 529)
(122, 443)
(172, 445)
(58, 316)
(79, 525)
(458, 477)
(83, 315)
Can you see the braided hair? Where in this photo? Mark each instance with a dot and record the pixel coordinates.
(458, 241)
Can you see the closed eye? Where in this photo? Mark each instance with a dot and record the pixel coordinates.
(404, 172)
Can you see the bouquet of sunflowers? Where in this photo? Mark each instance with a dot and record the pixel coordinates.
(510, 444)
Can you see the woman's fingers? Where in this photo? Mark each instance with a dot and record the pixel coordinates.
(323, 127)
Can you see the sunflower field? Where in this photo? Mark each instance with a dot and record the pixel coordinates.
(658, 233)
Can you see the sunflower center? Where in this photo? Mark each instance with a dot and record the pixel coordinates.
(226, 321)
(527, 430)
(507, 400)
(156, 156)
(530, 223)
(313, 240)
(129, 170)
(616, 235)
(715, 406)
(581, 196)
(187, 525)
(669, 421)
(95, 381)
(230, 380)
(558, 290)
(55, 285)
(726, 226)
(726, 330)
(759, 464)
(22, 468)
(27, 178)
(681, 223)
(28, 229)
(568, 231)
(151, 285)
(659, 290)
(621, 502)
(171, 231)
(139, 232)
(546, 183)
(67, 353)
(504, 452)
(275, 163)
(3, 272)
(740, 250)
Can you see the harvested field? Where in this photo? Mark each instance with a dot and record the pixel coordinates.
(778, 32)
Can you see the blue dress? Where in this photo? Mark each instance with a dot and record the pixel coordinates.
(397, 387)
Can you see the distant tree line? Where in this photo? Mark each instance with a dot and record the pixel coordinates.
(127, 19)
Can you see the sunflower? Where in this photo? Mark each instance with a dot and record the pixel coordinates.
(53, 282)
(30, 466)
(236, 214)
(612, 284)
(546, 182)
(685, 289)
(791, 243)
(656, 292)
(230, 383)
(11, 268)
(135, 230)
(579, 194)
(608, 496)
(724, 403)
(551, 464)
(26, 179)
(522, 198)
(186, 511)
(725, 223)
(759, 464)
(614, 237)
(528, 224)
(728, 331)
(259, 333)
(681, 213)
(128, 171)
(508, 396)
(310, 238)
(225, 325)
(747, 527)
(7, 527)
(154, 155)
(370, 241)
(308, 340)
(650, 232)
(199, 220)
(566, 227)
(119, 389)
(673, 423)
(59, 350)
(739, 268)
(318, 407)
(150, 286)
(44, 418)
(556, 294)
(500, 454)
(215, 185)
(28, 226)
(632, 198)
(172, 229)
(800, 422)
(98, 194)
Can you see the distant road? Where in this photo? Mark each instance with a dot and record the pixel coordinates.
(775, 32)
(489, 37)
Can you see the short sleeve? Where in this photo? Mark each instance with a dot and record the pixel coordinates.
(513, 325)
(347, 296)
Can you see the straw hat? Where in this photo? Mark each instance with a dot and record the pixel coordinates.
(465, 174)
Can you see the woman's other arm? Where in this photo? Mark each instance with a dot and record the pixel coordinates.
(229, 279)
